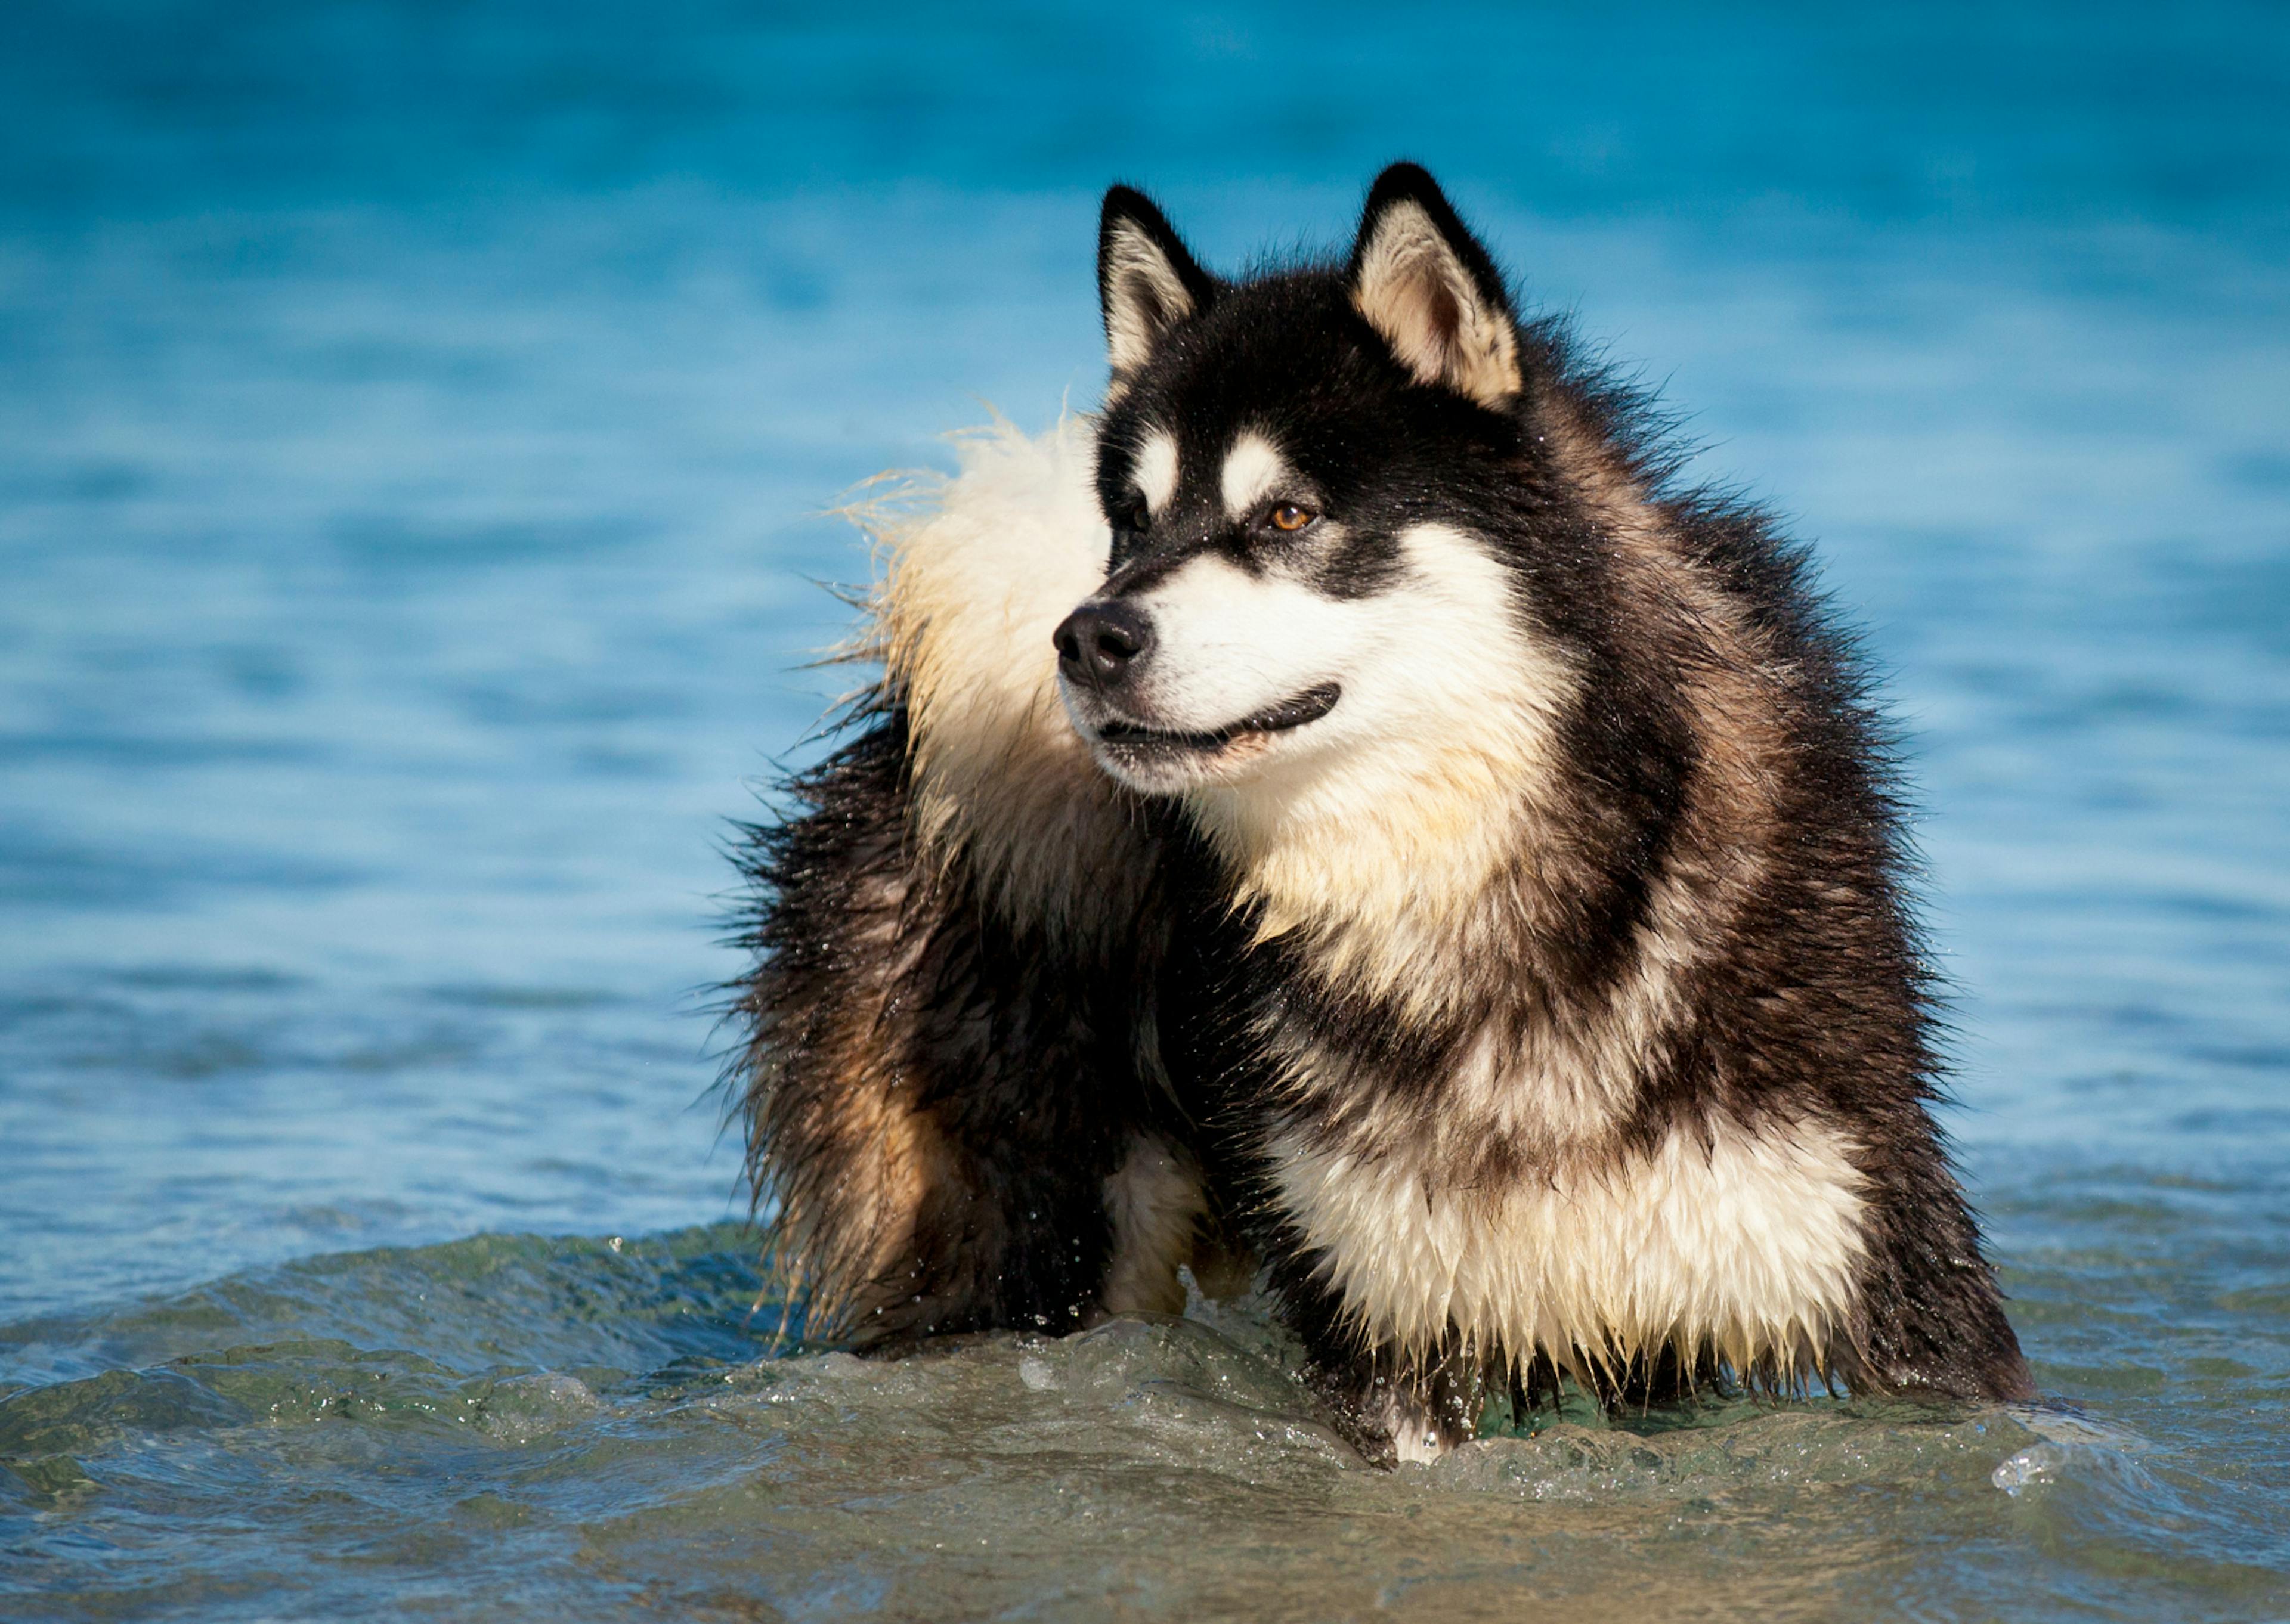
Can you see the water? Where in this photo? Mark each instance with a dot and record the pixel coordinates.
(415, 428)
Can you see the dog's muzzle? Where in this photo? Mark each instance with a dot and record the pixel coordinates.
(1104, 650)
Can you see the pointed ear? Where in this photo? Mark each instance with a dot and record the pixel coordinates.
(1423, 282)
(1145, 279)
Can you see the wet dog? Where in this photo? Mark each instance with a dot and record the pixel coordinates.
(1347, 810)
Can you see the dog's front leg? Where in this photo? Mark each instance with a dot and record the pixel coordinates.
(1393, 1404)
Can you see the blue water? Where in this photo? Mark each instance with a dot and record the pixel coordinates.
(416, 429)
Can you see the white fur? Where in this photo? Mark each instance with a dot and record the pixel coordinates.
(1228, 644)
(977, 581)
(1743, 1242)
(1383, 820)
(1155, 470)
(1413, 290)
(1254, 472)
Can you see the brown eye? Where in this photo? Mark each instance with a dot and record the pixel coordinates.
(1288, 515)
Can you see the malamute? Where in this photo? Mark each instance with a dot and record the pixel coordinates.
(1347, 810)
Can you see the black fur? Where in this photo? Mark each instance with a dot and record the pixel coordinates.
(901, 1031)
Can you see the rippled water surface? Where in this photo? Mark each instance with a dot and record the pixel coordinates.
(415, 428)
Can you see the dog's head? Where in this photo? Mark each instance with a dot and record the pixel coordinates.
(1300, 470)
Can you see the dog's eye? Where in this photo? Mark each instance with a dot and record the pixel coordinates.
(1289, 516)
(1134, 516)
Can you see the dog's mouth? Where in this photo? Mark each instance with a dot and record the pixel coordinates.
(1135, 738)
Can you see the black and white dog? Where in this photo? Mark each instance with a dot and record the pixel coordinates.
(1423, 852)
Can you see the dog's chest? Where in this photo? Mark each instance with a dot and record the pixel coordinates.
(1741, 1241)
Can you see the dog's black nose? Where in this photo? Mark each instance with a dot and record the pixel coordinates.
(1100, 641)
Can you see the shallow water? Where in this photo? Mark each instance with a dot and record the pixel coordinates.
(414, 427)
(587, 1427)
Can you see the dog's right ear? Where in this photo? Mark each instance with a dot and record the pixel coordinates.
(1147, 281)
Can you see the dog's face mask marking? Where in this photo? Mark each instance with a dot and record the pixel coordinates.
(1208, 646)
(1154, 471)
(1296, 582)
(1238, 653)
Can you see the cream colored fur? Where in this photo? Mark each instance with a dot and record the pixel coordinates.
(1144, 296)
(979, 571)
(1738, 1241)
(1155, 1202)
(1414, 290)
(1254, 472)
(1377, 828)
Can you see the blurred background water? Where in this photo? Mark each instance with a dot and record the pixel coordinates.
(416, 423)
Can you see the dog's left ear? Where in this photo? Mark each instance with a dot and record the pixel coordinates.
(1423, 282)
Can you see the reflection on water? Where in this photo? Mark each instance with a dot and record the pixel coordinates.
(416, 429)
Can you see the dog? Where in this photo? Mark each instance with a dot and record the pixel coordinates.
(1346, 814)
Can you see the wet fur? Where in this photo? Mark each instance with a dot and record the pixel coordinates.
(1569, 1020)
